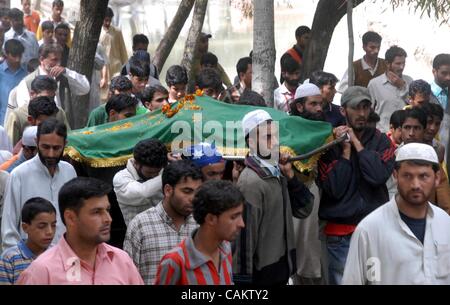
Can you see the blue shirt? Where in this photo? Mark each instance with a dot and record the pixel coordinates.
(440, 93)
(8, 81)
(334, 116)
(14, 261)
(29, 42)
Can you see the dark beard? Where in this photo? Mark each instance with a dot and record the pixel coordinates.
(292, 82)
(49, 162)
(320, 116)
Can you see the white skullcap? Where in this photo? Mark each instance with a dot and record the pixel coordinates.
(253, 119)
(417, 151)
(29, 136)
(307, 89)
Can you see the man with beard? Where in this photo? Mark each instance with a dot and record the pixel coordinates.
(352, 177)
(308, 103)
(82, 256)
(389, 91)
(205, 258)
(42, 176)
(138, 186)
(265, 250)
(405, 241)
(284, 95)
(154, 232)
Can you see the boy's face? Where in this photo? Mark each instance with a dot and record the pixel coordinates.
(396, 135)
(61, 36)
(41, 230)
(139, 83)
(57, 11)
(6, 22)
(13, 60)
(177, 91)
(47, 35)
(433, 126)
(159, 99)
(419, 99)
(26, 6)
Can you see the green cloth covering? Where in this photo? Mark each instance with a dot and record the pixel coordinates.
(112, 144)
(98, 115)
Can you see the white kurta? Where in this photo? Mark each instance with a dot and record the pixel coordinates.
(28, 180)
(383, 250)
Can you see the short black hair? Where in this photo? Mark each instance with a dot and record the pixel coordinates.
(43, 83)
(242, 64)
(176, 75)
(49, 48)
(288, 64)
(35, 206)
(149, 92)
(14, 47)
(120, 102)
(251, 98)
(109, 13)
(58, 3)
(397, 118)
(63, 26)
(302, 30)
(209, 59)
(419, 86)
(215, 197)
(51, 125)
(371, 36)
(180, 170)
(73, 194)
(209, 78)
(418, 114)
(441, 60)
(434, 166)
(120, 83)
(15, 14)
(42, 105)
(140, 38)
(321, 78)
(151, 152)
(139, 68)
(393, 52)
(47, 25)
(433, 110)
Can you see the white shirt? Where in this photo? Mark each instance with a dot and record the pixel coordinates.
(78, 83)
(28, 180)
(28, 39)
(282, 98)
(134, 196)
(343, 84)
(387, 98)
(383, 250)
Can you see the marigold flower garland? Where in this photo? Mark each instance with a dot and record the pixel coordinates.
(190, 98)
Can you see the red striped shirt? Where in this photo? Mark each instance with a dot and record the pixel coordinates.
(185, 265)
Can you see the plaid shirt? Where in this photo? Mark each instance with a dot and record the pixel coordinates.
(150, 236)
(13, 261)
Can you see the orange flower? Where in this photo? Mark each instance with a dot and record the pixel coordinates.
(199, 92)
(165, 108)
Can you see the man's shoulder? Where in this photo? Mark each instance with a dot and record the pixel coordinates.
(11, 254)
(66, 167)
(147, 218)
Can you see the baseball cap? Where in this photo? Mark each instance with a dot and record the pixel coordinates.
(417, 151)
(307, 89)
(253, 119)
(203, 154)
(355, 95)
(29, 136)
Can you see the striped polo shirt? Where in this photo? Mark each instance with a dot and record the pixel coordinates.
(185, 265)
(13, 262)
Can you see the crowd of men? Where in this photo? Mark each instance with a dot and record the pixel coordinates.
(373, 210)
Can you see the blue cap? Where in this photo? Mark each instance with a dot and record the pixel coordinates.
(203, 154)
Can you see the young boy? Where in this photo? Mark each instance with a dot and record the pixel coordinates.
(205, 258)
(176, 80)
(419, 93)
(48, 30)
(395, 127)
(39, 222)
(154, 97)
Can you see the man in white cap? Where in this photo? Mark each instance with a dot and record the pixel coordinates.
(28, 150)
(406, 241)
(265, 250)
(352, 178)
(308, 103)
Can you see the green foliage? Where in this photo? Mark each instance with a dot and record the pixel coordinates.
(439, 9)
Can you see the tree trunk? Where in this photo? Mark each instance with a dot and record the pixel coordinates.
(191, 43)
(327, 16)
(165, 46)
(263, 49)
(351, 41)
(81, 56)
